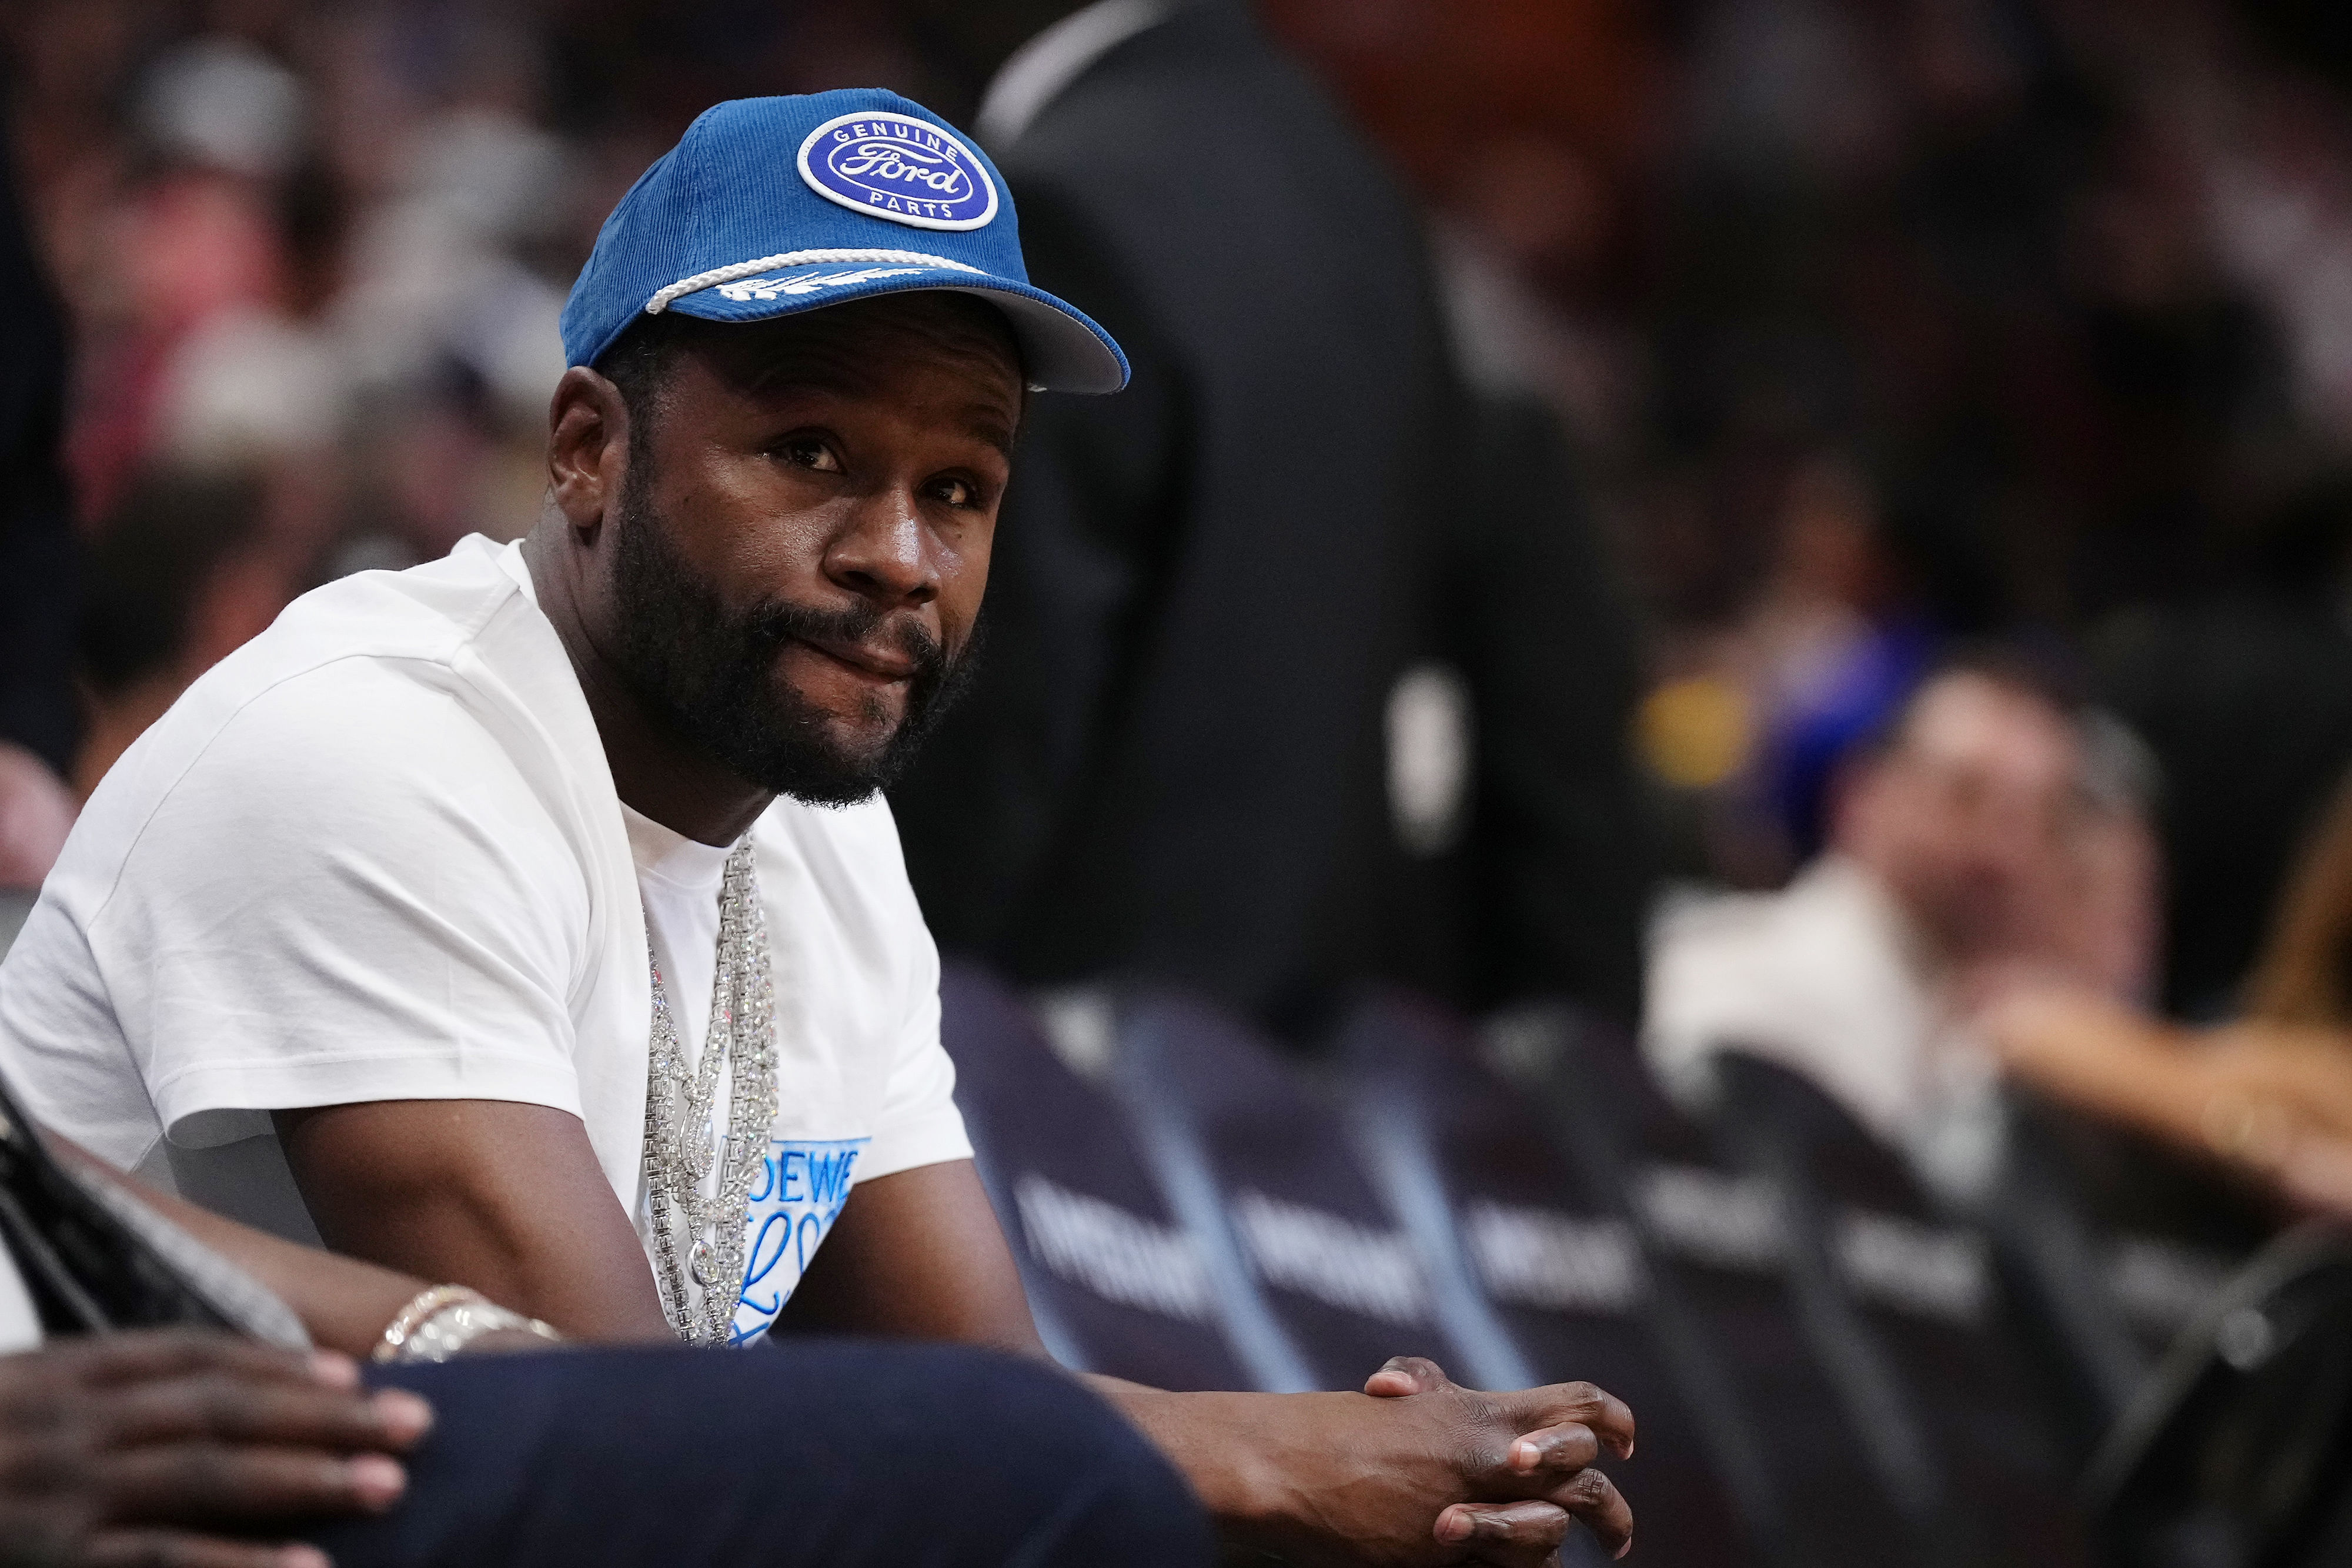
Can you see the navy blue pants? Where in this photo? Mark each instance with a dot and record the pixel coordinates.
(831, 1452)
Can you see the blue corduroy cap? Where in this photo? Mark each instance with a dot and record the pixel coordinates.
(772, 205)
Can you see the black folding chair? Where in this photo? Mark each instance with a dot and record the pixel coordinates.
(1561, 1272)
(1906, 1313)
(1734, 1315)
(1269, 1161)
(1118, 1283)
(2112, 1246)
(2239, 1452)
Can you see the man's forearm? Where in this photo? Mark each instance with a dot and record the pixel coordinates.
(343, 1302)
(1411, 1471)
(1219, 1443)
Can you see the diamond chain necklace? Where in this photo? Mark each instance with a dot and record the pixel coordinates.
(678, 1133)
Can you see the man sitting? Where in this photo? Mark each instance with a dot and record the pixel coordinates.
(1985, 833)
(531, 915)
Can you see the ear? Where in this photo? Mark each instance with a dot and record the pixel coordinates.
(588, 448)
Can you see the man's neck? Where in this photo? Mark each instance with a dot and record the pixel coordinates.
(656, 770)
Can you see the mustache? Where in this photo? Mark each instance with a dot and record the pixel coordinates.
(769, 626)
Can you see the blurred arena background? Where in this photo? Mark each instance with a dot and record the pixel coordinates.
(1862, 317)
(1862, 331)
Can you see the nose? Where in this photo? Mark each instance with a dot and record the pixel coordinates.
(884, 553)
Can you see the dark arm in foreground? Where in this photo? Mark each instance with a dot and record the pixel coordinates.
(137, 1447)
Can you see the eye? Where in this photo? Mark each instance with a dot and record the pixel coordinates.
(810, 451)
(962, 493)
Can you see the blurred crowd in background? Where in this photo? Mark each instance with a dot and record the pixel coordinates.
(1866, 330)
(1869, 321)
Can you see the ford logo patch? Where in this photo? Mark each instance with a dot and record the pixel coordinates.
(897, 167)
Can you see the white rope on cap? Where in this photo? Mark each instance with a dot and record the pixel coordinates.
(719, 274)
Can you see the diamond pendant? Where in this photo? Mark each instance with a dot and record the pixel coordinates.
(678, 1158)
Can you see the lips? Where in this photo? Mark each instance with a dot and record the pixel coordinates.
(882, 663)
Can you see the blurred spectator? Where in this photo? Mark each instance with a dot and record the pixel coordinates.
(175, 583)
(1299, 668)
(1859, 582)
(325, 245)
(1992, 827)
(1838, 640)
(2269, 1096)
(37, 561)
(2245, 691)
(36, 813)
(1866, 324)
(2305, 974)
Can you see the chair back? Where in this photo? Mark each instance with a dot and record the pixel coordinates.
(1905, 1312)
(1118, 1284)
(2238, 1453)
(2111, 1245)
(1560, 1272)
(1347, 1283)
(1716, 1234)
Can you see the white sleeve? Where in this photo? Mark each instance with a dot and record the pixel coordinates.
(351, 895)
(919, 1124)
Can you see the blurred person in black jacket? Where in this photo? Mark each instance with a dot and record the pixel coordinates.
(2245, 694)
(1301, 663)
(38, 560)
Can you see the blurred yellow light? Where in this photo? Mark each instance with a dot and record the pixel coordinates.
(1695, 733)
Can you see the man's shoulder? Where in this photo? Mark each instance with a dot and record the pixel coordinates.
(427, 612)
(1816, 962)
(1717, 925)
(1744, 964)
(374, 689)
(1828, 905)
(1212, 66)
(419, 625)
(1250, 121)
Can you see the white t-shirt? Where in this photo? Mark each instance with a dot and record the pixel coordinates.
(376, 854)
(1827, 979)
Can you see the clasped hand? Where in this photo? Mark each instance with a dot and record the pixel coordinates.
(1505, 1473)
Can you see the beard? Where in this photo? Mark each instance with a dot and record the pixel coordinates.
(711, 672)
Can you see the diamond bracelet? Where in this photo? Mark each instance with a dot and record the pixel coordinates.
(441, 1321)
